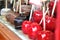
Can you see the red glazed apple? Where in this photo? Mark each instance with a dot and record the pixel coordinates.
(34, 29)
(25, 26)
(37, 16)
(45, 35)
(51, 4)
(50, 23)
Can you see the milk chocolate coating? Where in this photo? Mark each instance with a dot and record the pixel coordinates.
(11, 16)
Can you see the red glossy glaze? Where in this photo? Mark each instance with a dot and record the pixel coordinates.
(51, 4)
(34, 29)
(37, 16)
(45, 35)
(50, 23)
(25, 26)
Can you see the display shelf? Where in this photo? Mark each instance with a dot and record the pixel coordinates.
(19, 33)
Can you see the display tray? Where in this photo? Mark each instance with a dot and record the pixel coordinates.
(19, 33)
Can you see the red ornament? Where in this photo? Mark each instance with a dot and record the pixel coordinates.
(34, 29)
(50, 23)
(25, 26)
(45, 35)
(37, 15)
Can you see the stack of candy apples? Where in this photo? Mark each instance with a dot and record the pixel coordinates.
(43, 25)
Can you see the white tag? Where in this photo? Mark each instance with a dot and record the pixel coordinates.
(35, 2)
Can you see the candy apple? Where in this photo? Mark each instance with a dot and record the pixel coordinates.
(51, 4)
(50, 23)
(25, 26)
(37, 15)
(34, 29)
(45, 35)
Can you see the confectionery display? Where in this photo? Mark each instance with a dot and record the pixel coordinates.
(35, 19)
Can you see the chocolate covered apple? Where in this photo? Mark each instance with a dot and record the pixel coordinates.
(18, 21)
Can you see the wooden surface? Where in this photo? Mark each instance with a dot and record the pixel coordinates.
(2, 37)
(6, 34)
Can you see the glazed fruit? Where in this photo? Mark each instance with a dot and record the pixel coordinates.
(25, 26)
(51, 4)
(34, 29)
(50, 23)
(37, 16)
(45, 35)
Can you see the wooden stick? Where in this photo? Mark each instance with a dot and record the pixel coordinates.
(26, 2)
(48, 10)
(14, 5)
(53, 8)
(31, 12)
(17, 6)
(20, 6)
(6, 4)
(44, 25)
(45, 14)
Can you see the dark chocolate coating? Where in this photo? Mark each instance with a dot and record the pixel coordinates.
(18, 21)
